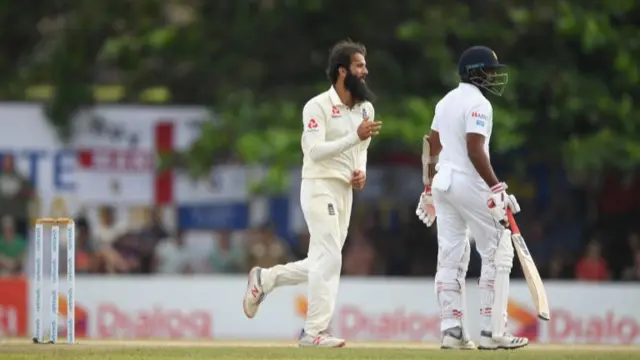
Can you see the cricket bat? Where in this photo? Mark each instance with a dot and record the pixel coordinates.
(531, 274)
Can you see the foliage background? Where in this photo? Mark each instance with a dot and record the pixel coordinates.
(572, 81)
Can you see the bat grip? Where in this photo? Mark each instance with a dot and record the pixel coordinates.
(512, 223)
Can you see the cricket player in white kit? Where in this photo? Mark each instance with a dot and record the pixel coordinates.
(464, 194)
(337, 129)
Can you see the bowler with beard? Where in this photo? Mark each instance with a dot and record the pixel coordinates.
(337, 126)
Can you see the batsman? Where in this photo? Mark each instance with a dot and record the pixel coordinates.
(463, 192)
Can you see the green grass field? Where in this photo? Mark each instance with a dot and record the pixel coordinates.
(225, 350)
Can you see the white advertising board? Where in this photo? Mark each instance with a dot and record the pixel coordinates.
(368, 309)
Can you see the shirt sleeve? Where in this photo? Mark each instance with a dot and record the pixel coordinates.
(362, 155)
(434, 122)
(314, 143)
(478, 119)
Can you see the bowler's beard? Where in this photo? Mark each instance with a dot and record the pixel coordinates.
(358, 88)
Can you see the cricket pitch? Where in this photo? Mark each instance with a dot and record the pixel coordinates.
(22, 349)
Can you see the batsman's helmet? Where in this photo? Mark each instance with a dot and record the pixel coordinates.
(479, 65)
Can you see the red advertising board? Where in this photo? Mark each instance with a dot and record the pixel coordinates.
(13, 306)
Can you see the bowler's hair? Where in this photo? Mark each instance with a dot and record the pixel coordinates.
(340, 56)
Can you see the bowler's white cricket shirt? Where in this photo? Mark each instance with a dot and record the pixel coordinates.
(463, 110)
(330, 142)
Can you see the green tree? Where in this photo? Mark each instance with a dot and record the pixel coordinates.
(572, 82)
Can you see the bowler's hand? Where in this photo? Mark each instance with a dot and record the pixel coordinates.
(368, 129)
(358, 180)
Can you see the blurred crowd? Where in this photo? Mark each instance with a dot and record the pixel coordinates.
(587, 232)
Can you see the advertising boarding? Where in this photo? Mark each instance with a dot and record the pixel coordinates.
(209, 307)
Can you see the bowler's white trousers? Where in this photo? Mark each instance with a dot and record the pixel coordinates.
(326, 205)
(460, 201)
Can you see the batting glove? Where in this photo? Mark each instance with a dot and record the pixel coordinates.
(499, 201)
(425, 211)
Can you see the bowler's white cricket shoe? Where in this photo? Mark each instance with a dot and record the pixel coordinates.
(254, 294)
(506, 341)
(323, 339)
(452, 339)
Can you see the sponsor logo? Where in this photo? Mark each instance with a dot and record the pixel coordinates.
(353, 322)
(478, 115)
(526, 320)
(153, 323)
(566, 326)
(81, 317)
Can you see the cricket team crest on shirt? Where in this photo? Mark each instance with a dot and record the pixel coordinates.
(335, 112)
(312, 125)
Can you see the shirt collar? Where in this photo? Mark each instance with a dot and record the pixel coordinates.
(467, 86)
(335, 99)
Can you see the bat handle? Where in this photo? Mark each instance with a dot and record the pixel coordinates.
(512, 222)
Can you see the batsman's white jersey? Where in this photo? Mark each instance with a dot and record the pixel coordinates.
(463, 110)
(460, 200)
(332, 152)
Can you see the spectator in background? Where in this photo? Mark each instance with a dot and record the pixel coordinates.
(171, 256)
(85, 257)
(301, 247)
(566, 229)
(360, 256)
(15, 195)
(632, 272)
(126, 248)
(559, 266)
(266, 249)
(228, 256)
(106, 233)
(592, 266)
(539, 246)
(12, 248)
(147, 240)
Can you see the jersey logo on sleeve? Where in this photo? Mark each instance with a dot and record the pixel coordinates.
(365, 115)
(312, 125)
(476, 114)
(479, 118)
